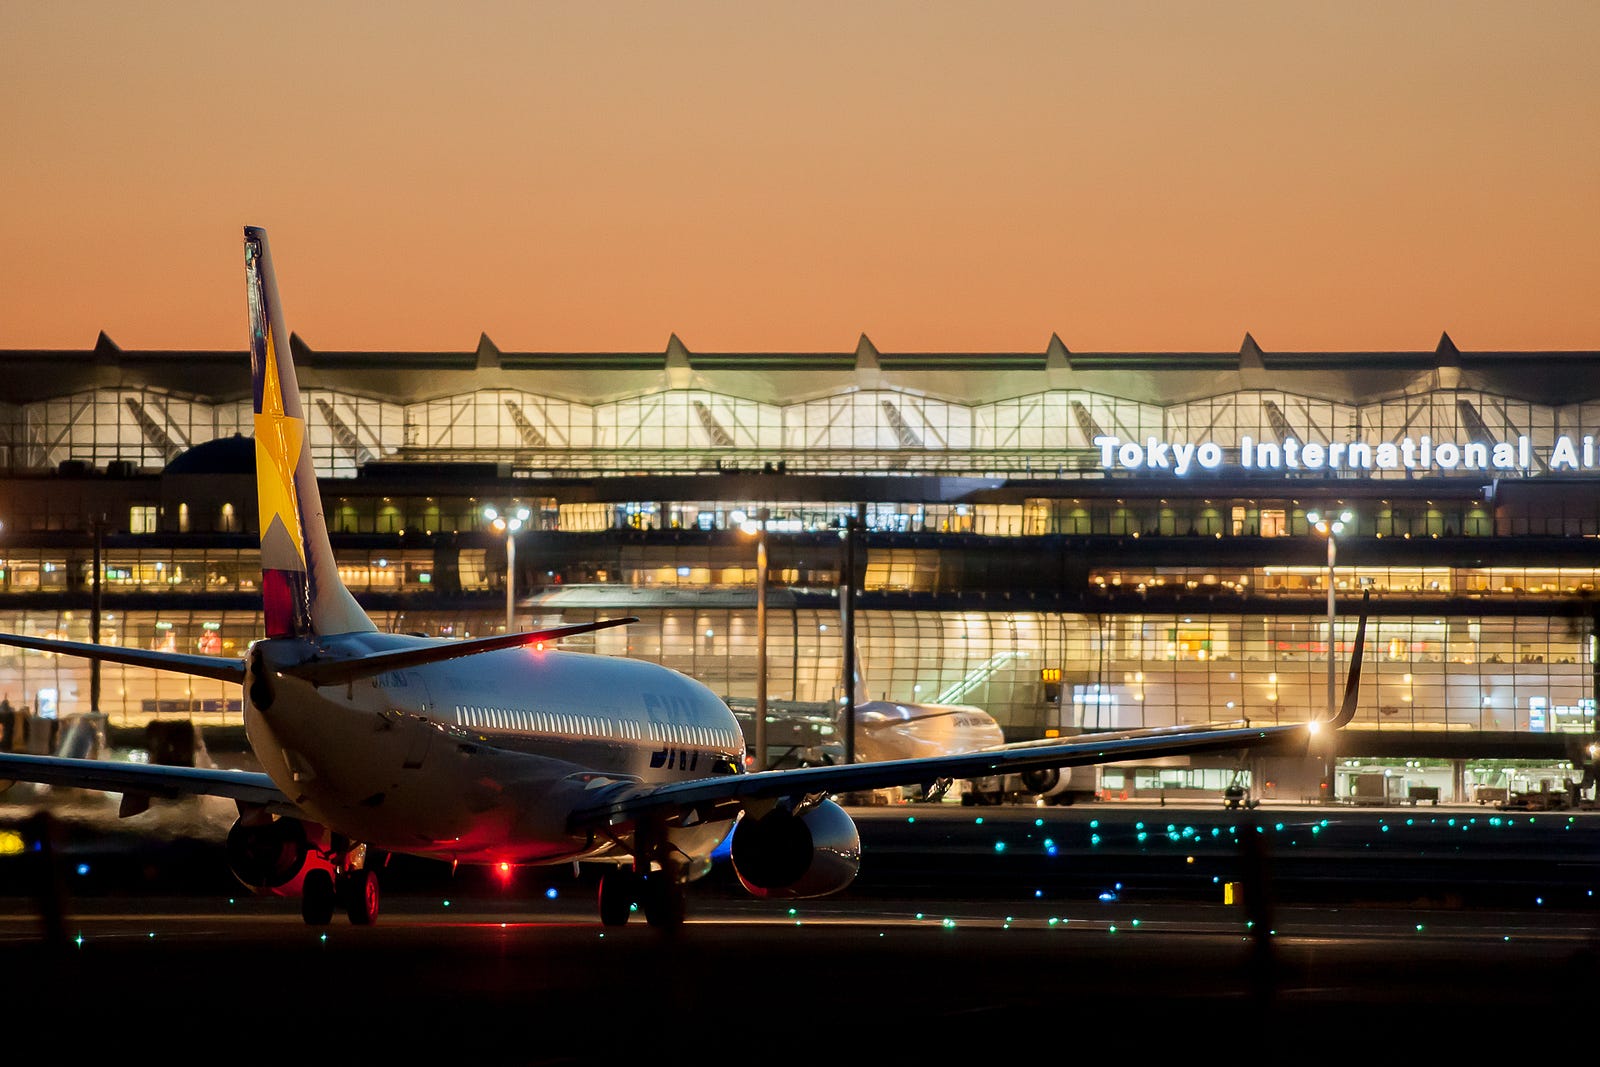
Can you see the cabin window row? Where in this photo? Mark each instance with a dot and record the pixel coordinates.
(592, 726)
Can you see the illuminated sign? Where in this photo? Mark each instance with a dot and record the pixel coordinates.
(1419, 454)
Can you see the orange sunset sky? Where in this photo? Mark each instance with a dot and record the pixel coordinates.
(776, 177)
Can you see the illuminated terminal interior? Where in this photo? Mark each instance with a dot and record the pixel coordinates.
(1071, 541)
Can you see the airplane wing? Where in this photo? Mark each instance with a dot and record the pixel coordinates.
(146, 780)
(626, 802)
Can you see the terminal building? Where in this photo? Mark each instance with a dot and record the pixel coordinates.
(1072, 541)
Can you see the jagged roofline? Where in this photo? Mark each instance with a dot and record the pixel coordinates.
(1554, 378)
(1161, 379)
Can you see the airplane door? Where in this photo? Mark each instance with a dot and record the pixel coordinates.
(411, 707)
(421, 738)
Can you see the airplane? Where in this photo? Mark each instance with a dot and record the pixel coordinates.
(502, 749)
(893, 729)
(904, 729)
(884, 729)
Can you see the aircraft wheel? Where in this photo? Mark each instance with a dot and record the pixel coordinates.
(663, 901)
(317, 897)
(359, 888)
(617, 890)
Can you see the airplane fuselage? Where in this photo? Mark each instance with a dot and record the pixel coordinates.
(480, 759)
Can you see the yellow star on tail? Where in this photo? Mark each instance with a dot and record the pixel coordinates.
(278, 442)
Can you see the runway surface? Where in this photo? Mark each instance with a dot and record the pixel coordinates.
(998, 928)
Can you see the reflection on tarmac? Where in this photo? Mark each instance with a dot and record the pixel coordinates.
(1100, 923)
(905, 978)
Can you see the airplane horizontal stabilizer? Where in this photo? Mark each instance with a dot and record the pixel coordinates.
(224, 670)
(340, 671)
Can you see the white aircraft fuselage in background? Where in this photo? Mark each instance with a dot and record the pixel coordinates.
(890, 730)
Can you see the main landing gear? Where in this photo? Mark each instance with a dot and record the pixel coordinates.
(657, 894)
(354, 888)
(652, 883)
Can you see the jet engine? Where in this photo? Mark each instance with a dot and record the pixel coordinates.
(1041, 779)
(782, 855)
(268, 854)
(1059, 785)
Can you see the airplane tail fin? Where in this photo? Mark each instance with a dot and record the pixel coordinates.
(300, 584)
(858, 672)
(1347, 710)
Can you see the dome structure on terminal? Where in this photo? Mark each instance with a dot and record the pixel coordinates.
(235, 454)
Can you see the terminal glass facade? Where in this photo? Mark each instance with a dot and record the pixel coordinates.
(1071, 541)
(1036, 672)
(1050, 432)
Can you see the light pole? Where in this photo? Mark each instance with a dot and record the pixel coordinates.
(1330, 526)
(759, 528)
(99, 524)
(847, 604)
(510, 524)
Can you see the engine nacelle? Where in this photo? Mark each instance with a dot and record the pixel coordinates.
(268, 855)
(1042, 779)
(782, 855)
(1058, 785)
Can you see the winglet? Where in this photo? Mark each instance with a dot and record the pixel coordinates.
(1347, 710)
